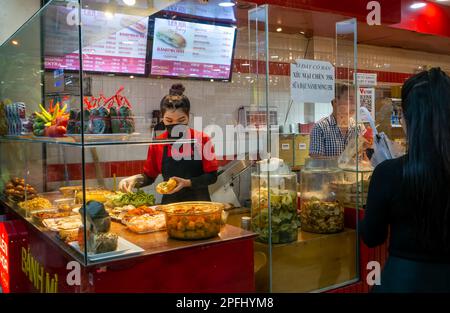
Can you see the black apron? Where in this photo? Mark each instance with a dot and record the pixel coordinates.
(186, 169)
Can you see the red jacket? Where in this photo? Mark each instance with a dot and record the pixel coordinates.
(203, 146)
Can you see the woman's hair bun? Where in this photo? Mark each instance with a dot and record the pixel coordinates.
(177, 90)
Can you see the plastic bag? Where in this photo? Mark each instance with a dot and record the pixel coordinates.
(353, 150)
(384, 148)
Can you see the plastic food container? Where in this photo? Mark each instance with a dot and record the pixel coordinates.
(321, 212)
(70, 191)
(98, 195)
(66, 204)
(274, 194)
(193, 220)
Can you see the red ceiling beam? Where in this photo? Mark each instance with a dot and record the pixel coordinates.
(390, 9)
(432, 19)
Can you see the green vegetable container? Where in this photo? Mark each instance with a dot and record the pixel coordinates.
(274, 202)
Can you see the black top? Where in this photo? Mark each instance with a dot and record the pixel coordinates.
(386, 209)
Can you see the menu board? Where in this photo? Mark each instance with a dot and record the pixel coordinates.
(117, 45)
(190, 49)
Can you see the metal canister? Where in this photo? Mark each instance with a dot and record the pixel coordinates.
(246, 222)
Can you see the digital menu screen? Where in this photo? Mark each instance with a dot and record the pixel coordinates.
(188, 49)
(111, 45)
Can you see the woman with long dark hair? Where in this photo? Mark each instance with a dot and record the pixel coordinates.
(409, 197)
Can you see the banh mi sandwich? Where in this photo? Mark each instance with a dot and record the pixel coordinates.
(166, 187)
(171, 38)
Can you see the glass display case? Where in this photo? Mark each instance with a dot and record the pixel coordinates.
(279, 217)
(311, 58)
(320, 210)
(82, 84)
(83, 119)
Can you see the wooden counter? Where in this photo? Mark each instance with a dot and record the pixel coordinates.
(166, 265)
(313, 262)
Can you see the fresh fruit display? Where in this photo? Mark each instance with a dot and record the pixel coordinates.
(51, 123)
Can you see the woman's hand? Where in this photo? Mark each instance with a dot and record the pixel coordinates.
(127, 184)
(181, 183)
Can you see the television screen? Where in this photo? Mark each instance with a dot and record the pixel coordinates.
(190, 49)
(117, 45)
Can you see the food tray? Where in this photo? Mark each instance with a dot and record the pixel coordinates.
(65, 223)
(156, 219)
(124, 248)
(39, 221)
(193, 220)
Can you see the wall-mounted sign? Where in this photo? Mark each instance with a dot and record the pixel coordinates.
(366, 98)
(366, 79)
(312, 81)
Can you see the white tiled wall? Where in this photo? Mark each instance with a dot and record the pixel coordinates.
(218, 102)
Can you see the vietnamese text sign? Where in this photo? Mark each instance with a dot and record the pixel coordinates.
(366, 79)
(366, 98)
(312, 81)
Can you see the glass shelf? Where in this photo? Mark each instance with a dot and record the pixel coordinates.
(97, 141)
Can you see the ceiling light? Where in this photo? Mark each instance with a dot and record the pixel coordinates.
(127, 42)
(129, 2)
(131, 76)
(15, 42)
(417, 5)
(245, 64)
(279, 29)
(109, 15)
(274, 57)
(442, 0)
(302, 33)
(227, 4)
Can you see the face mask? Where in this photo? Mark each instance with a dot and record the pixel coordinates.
(177, 131)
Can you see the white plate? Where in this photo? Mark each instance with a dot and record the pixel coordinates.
(124, 248)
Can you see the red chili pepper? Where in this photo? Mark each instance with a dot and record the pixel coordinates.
(127, 102)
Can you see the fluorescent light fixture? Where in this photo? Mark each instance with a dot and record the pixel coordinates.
(129, 2)
(227, 4)
(109, 15)
(127, 42)
(274, 57)
(245, 64)
(417, 5)
(279, 29)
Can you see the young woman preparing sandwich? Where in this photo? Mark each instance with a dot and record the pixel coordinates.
(187, 172)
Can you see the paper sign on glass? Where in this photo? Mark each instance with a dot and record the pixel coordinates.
(312, 81)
